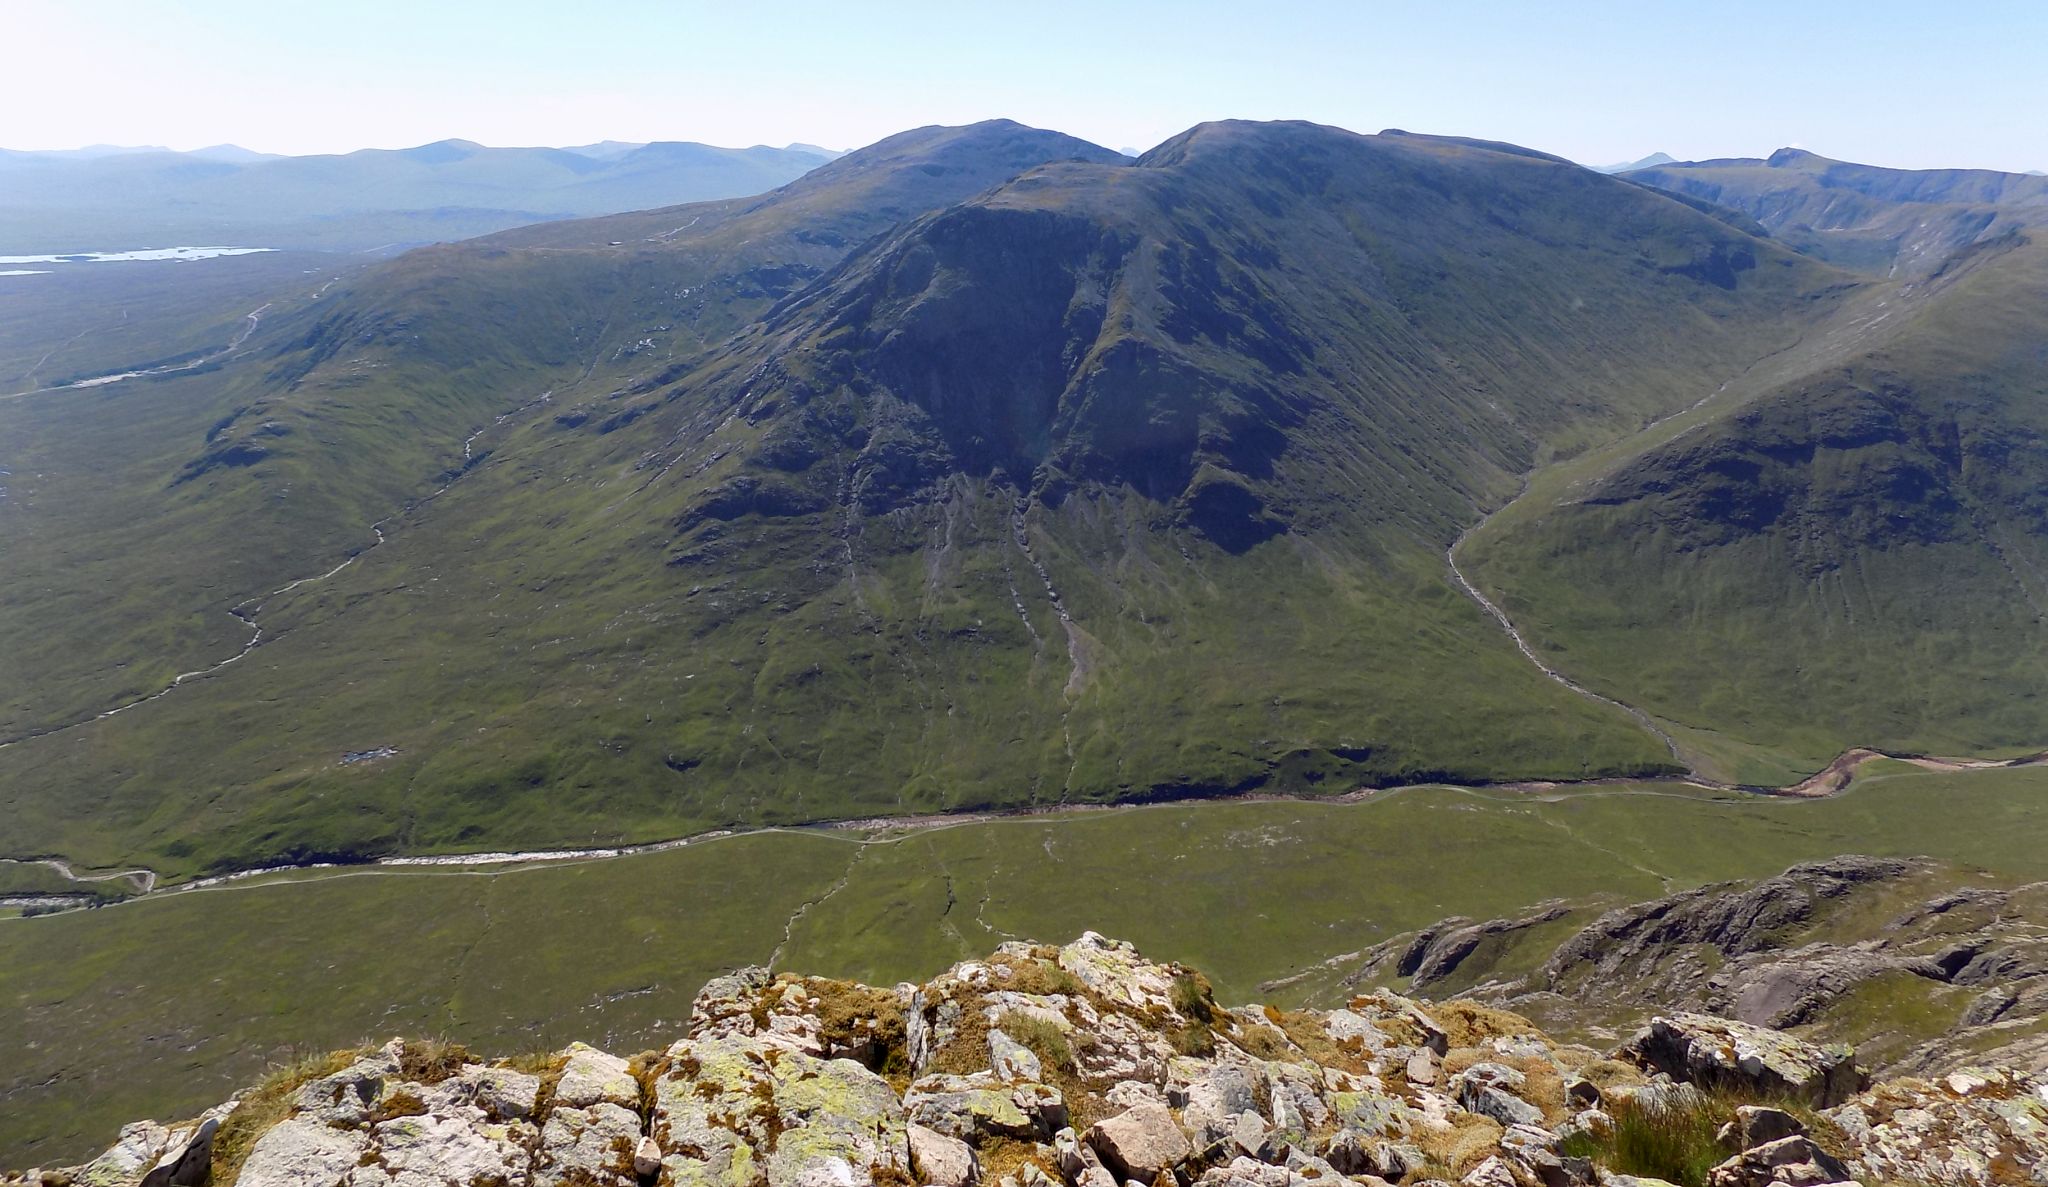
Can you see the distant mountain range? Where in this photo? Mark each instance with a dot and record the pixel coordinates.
(1862, 216)
(1657, 158)
(108, 197)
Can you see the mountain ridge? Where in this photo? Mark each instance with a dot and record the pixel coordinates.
(1165, 367)
(1037, 447)
(1073, 1064)
(1891, 221)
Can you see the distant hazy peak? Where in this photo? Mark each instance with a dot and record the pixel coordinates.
(1650, 162)
(1281, 140)
(605, 149)
(1231, 136)
(1786, 158)
(443, 151)
(230, 152)
(996, 138)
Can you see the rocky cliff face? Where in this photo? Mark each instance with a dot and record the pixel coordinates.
(1092, 1066)
(1928, 969)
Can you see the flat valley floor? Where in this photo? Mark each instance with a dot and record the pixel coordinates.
(162, 1005)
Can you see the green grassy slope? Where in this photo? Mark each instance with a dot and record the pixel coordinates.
(114, 583)
(1855, 558)
(1117, 482)
(612, 951)
(225, 485)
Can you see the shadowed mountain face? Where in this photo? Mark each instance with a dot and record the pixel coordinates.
(1113, 481)
(1253, 318)
(1896, 221)
(555, 305)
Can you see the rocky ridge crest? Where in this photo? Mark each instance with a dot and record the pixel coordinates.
(1091, 1066)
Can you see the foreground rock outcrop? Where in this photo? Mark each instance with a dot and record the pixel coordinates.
(1092, 1066)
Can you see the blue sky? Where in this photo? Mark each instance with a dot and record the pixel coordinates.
(1907, 84)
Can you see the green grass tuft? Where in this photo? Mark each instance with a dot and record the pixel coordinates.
(1044, 1038)
(1674, 1142)
(263, 1106)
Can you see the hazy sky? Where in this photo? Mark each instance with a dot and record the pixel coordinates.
(1893, 83)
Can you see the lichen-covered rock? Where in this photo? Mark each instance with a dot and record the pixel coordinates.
(304, 1152)
(1012, 1061)
(500, 1092)
(591, 1145)
(745, 1110)
(724, 1008)
(592, 1130)
(1295, 1103)
(150, 1155)
(137, 1147)
(1717, 1052)
(811, 1015)
(370, 1125)
(153, 1155)
(1536, 1154)
(348, 1097)
(1493, 1172)
(1250, 1172)
(1594, 1123)
(1796, 1160)
(1122, 1048)
(1140, 1143)
(1489, 1089)
(979, 1105)
(1661, 1093)
(1114, 970)
(1353, 1153)
(590, 1076)
(1213, 1099)
(1753, 1125)
(941, 1161)
(188, 1160)
(443, 1150)
(1976, 1126)
(1404, 1019)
